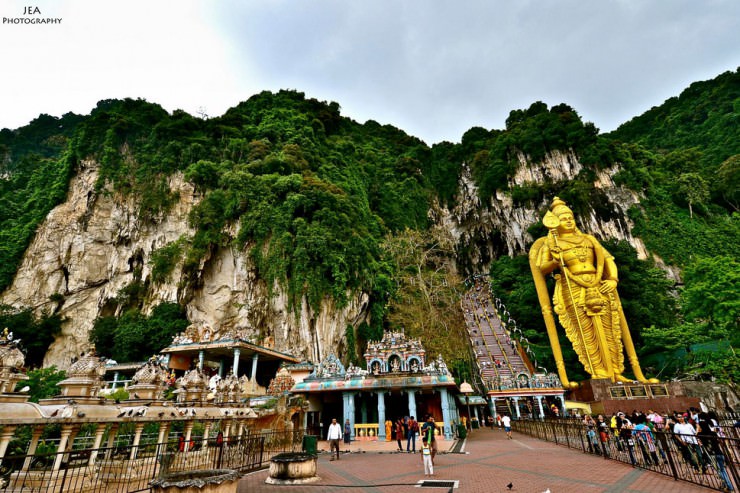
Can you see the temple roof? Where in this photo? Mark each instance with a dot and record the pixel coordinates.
(225, 348)
(375, 383)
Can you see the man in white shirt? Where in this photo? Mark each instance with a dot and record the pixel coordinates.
(334, 435)
(686, 435)
(506, 421)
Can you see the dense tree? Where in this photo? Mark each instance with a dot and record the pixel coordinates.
(711, 292)
(427, 294)
(728, 182)
(693, 189)
(325, 205)
(135, 337)
(43, 382)
(35, 333)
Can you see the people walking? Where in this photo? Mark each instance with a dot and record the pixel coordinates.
(428, 435)
(347, 433)
(334, 435)
(604, 434)
(413, 429)
(710, 439)
(590, 426)
(399, 433)
(686, 434)
(506, 421)
(427, 452)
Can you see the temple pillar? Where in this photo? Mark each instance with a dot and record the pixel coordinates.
(35, 436)
(201, 359)
(235, 366)
(221, 367)
(188, 432)
(164, 431)
(206, 432)
(115, 379)
(349, 410)
(516, 407)
(412, 403)
(363, 408)
(138, 429)
(563, 410)
(539, 404)
(5, 437)
(111, 440)
(253, 376)
(492, 407)
(227, 431)
(63, 440)
(99, 431)
(446, 415)
(381, 416)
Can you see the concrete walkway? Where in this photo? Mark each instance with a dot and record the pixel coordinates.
(489, 462)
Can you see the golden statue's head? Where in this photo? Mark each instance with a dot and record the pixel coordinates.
(558, 207)
(561, 217)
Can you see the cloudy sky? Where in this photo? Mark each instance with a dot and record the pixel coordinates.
(432, 68)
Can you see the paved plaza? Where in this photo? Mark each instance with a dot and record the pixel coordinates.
(489, 463)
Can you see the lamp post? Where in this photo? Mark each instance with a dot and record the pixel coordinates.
(466, 389)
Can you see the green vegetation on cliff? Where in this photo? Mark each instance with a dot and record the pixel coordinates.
(323, 204)
(683, 158)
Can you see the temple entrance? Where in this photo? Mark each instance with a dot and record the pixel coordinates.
(333, 408)
(429, 403)
(396, 405)
(366, 408)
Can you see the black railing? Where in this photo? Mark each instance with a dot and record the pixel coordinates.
(657, 451)
(128, 469)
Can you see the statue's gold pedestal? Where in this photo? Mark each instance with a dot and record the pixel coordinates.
(606, 397)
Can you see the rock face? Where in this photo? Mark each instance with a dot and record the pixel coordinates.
(94, 244)
(483, 232)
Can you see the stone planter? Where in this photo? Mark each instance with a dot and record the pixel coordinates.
(203, 481)
(293, 468)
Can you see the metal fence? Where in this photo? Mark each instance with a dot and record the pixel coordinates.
(128, 469)
(657, 451)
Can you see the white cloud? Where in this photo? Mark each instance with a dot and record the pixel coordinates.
(432, 68)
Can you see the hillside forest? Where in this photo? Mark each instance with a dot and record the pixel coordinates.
(325, 205)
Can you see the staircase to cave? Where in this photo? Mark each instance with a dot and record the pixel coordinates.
(491, 341)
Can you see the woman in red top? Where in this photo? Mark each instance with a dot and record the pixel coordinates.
(399, 433)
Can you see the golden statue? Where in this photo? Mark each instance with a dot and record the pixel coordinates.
(585, 299)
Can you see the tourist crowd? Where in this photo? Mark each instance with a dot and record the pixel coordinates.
(645, 437)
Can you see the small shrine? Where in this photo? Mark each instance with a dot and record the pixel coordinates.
(282, 383)
(11, 364)
(225, 351)
(395, 353)
(229, 389)
(191, 387)
(397, 382)
(150, 381)
(84, 379)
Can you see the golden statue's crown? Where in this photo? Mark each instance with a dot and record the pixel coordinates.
(558, 207)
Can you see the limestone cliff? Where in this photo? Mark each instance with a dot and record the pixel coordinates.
(94, 244)
(483, 232)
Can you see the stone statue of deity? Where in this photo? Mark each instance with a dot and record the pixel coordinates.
(585, 298)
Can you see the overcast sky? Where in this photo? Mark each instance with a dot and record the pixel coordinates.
(432, 68)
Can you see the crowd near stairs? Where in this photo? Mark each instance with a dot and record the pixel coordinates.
(499, 357)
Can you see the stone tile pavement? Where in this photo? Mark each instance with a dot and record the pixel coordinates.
(489, 462)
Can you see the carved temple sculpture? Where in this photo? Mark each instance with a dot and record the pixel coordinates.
(585, 299)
